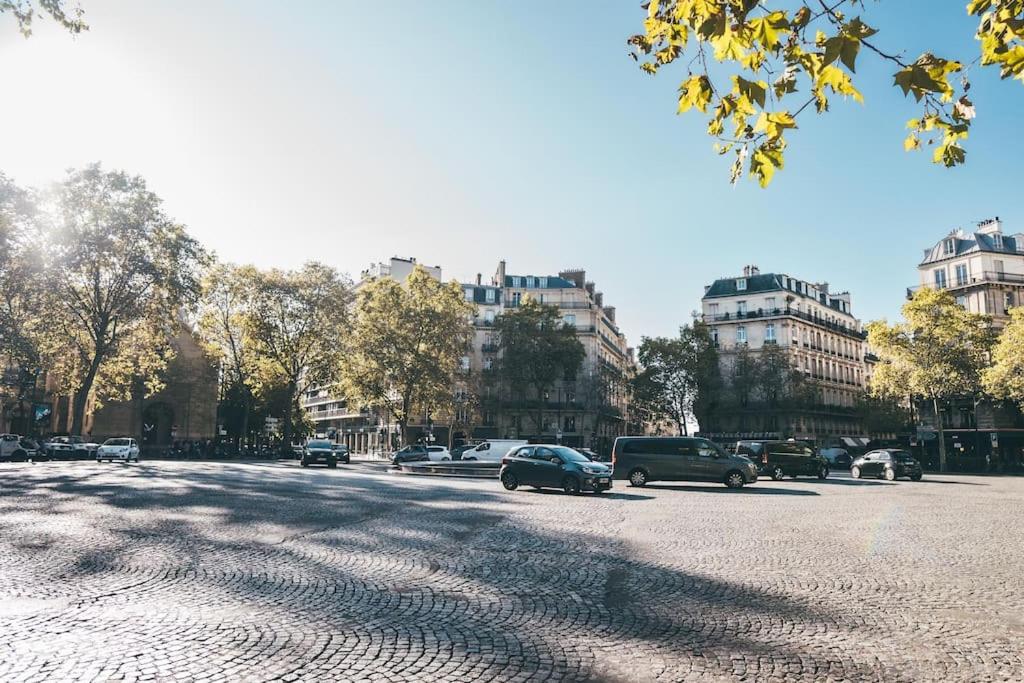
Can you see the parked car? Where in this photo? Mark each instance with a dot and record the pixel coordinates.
(414, 453)
(32, 450)
(122, 448)
(778, 459)
(438, 454)
(837, 457)
(593, 455)
(643, 459)
(887, 463)
(341, 453)
(547, 466)
(70, 448)
(317, 451)
(11, 449)
(493, 450)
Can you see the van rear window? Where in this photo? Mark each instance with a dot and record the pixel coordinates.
(653, 446)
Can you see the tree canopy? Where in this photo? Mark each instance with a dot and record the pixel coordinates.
(119, 273)
(768, 50)
(536, 350)
(67, 14)
(406, 345)
(1004, 379)
(938, 352)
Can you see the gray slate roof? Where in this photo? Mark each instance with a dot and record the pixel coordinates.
(976, 242)
(769, 282)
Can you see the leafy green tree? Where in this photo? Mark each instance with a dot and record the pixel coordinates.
(882, 415)
(1005, 378)
(296, 324)
(778, 59)
(120, 273)
(675, 372)
(66, 14)
(225, 310)
(406, 344)
(535, 351)
(939, 352)
(21, 270)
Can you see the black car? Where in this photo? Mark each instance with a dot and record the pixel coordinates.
(887, 463)
(778, 459)
(319, 450)
(546, 466)
(341, 452)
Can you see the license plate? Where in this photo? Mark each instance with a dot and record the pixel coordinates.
(603, 480)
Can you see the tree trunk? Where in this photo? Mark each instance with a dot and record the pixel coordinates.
(942, 436)
(244, 431)
(286, 434)
(82, 395)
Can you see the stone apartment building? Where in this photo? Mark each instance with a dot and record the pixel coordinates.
(588, 411)
(817, 329)
(984, 270)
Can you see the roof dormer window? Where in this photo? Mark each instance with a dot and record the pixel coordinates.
(741, 284)
(948, 246)
(997, 239)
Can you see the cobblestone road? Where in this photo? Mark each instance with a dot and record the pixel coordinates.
(202, 571)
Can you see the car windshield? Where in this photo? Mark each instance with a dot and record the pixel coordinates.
(116, 442)
(570, 455)
(318, 444)
(754, 448)
(902, 456)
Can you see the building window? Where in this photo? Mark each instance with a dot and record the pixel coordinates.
(570, 319)
(940, 278)
(948, 246)
(516, 297)
(517, 281)
(741, 284)
(961, 273)
(741, 335)
(468, 293)
(769, 303)
(570, 423)
(713, 310)
(489, 296)
(543, 283)
(1000, 268)
(488, 363)
(489, 316)
(530, 282)
(769, 333)
(741, 308)
(464, 362)
(714, 337)
(998, 239)
(1007, 302)
(961, 301)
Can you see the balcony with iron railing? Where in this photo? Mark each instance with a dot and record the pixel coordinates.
(973, 280)
(762, 314)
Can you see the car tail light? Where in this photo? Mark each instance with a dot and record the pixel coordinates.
(764, 458)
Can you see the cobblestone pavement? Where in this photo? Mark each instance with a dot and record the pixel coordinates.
(205, 571)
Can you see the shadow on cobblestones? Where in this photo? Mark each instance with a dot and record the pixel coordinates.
(300, 575)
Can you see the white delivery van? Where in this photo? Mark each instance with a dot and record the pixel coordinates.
(493, 450)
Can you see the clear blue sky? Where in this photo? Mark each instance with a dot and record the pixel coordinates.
(466, 132)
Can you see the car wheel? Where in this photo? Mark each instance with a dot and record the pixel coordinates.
(304, 463)
(823, 473)
(735, 480)
(509, 481)
(915, 477)
(855, 472)
(571, 485)
(446, 459)
(890, 474)
(346, 460)
(469, 458)
(638, 478)
(777, 473)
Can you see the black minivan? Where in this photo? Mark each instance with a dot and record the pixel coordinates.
(642, 459)
(779, 459)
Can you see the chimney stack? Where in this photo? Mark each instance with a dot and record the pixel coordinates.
(479, 279)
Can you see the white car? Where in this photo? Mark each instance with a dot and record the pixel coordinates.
(438, 453)
(12, 449)
(493, 450)
(123, 449)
